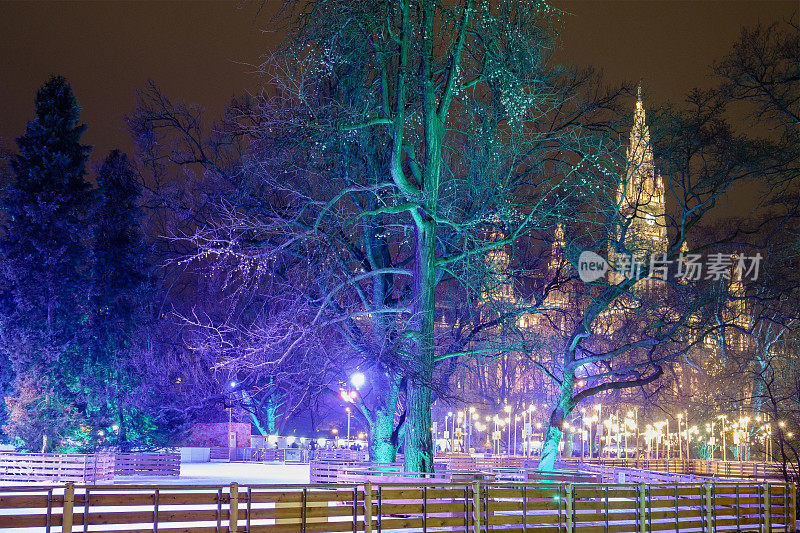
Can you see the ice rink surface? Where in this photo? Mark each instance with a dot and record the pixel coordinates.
(216, 474)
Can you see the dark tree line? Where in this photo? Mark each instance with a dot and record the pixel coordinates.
(76, 291)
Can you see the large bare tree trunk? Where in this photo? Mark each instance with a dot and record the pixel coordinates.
(382, 438)
(552, 438)
(418, 442)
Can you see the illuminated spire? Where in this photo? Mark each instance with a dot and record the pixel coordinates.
(640, 176)
(639, 96)
(558, 247)
(641, 195)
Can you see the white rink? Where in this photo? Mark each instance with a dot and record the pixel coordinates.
(191, 474)
(225, 473)
(214, 474)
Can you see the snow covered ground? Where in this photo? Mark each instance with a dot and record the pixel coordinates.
(224, 473)
(191, 474)
(214, 474)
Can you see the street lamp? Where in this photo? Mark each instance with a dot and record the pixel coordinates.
(357, 380)
(447, 430)
(598, 407)
(507, 410)
(724, 430)
(473, 422)
(462, 428)
(232, 385)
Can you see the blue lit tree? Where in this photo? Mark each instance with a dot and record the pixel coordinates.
(46, 270)
(122, 298)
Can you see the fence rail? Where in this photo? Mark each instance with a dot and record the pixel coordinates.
(696, 467)
(147, 464)
(78, 468)
(473, 508)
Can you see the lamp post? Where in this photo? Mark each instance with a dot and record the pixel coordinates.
(447, 430)
(231, 442)
(494, 434)
(712, 440)
(688, 437)
(583, 430)
(349, 414)
(724, 430)
(507, 409)
(529, 429)
(458, 435)
(473, 419)
(746, 452)
(598, 407)
(630, 425)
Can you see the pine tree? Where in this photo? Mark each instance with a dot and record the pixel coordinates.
(120, 306)
(45, 267)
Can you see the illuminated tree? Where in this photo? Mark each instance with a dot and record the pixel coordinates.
(436, 126)
(46, 271)
(121, 309)
(623, 330)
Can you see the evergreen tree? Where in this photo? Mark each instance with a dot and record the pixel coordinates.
(120, 307)
(45, 269)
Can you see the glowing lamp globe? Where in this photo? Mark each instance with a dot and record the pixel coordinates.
(357, 380)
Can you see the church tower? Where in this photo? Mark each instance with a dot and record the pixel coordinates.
(640, 197)
(641, 193)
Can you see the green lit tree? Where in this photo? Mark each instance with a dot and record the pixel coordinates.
(121, 302)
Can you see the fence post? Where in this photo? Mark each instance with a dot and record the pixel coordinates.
(368, 507)
(570, 508)
(233, 516)
(642, 508)
(69, 501)
(767, 509)
(476, 507)
(793, 508)
(709, 508)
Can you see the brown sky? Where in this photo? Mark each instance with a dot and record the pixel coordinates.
(199, 51)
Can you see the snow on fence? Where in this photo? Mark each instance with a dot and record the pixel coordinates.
(147, 464)
(442, 507)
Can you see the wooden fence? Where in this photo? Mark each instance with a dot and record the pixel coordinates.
(147, 464)
(217, 453)
(471, 508)
(77, 468)
(697, 467)
(468, 462)
(328, 471)
(273, 455)
(338, 454)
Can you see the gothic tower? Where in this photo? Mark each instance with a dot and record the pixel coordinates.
(642, 230)
(641, 194)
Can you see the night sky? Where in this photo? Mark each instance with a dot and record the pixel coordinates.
(204, 51)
